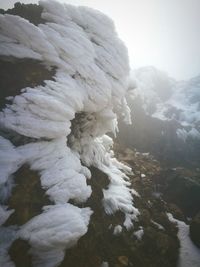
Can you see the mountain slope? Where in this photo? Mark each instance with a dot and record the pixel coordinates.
(166, 118)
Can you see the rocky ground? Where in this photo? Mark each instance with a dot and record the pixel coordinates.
(152, 242)
(178, 187)
(158, 137)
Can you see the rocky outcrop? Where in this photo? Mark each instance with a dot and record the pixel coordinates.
(182, 187)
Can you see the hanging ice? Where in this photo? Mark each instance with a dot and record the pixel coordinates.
(68, 118)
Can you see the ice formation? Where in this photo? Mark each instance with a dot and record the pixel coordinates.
(117, 230)
(158, 225)
(139, 233)
(49, 238)
(68, 117)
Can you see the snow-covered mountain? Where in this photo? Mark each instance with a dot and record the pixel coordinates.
(167, 99)
(166, 117)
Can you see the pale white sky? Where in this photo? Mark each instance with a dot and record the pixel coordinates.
(162, 33)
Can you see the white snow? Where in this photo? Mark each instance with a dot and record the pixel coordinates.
(4, 214)
(90, 87)
(66, 224)
(158, 225)
(182, 134)
(139, 233)
(117, 230)
(194, 133)
(104, 264)
(10, 160)
(167, 99)
(62, 175)
(189, 254)
(7, 236)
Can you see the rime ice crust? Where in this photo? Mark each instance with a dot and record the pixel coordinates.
(49, 238)
(91, 79)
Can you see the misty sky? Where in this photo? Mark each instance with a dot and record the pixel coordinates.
(162, 33)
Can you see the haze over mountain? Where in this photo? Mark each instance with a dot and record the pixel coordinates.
(166, 116)
(167, 99)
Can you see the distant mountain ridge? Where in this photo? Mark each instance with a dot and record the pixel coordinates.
(166, 117)
(167, 99)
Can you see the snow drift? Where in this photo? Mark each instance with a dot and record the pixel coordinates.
(189, 253)
(68, 117)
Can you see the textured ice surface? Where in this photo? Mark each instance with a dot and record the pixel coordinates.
(50, 233)
(7, 236)
(139, 233)
(69, 117)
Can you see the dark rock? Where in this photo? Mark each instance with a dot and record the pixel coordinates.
(195, 230)
(19, 253)
(31, 12)
(27, 198)
(182, 190)
(24, 73)
(149, 134)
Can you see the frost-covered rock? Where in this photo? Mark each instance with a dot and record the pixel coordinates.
(65, 121)
(139, 233)
(68, 225)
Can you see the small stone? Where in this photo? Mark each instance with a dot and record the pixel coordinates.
(123, 260)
